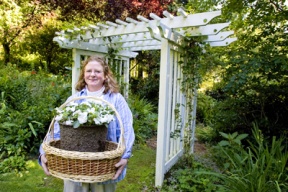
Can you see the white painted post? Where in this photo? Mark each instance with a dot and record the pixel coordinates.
(162, 108)
(75, 68)
(194, 103)
(126, 68)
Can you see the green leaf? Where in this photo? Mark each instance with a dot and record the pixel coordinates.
(76, 124)
(32, 129)
(242, 136)
(226, 136)
(7, 124)
(237, 141)
(224, 143)
(234, 135)
(37, 122)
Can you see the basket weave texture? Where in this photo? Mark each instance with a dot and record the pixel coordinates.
(89, 167)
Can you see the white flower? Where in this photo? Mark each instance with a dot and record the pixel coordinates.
(82, 117)
(97, 102)
(76, 112)
(96, 121)
(59, 117)
(89, 112)
(69, 122)
(71, 108)
(106, 118)
(58, 110)
(110, 118)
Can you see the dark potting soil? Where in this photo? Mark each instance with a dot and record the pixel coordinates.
(83, 138)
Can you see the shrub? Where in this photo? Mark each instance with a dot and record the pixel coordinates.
(183, 176)
(260, 167)
(144, 119)
(27, 100)
(13, 164)
(265, 104)
(204, 133)
(205, 106)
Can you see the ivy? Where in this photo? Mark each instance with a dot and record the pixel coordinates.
(191, 54)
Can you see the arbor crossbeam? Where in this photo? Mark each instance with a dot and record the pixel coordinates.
(133, 35)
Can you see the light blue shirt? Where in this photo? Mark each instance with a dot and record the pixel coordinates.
(114, 130)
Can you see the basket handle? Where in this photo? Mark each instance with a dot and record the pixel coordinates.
(51, 127)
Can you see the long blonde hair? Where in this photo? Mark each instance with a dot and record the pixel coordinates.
(110, 83)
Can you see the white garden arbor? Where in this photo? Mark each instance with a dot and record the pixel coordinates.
(165, 34)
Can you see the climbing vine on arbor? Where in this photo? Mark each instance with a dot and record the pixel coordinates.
(191, 54)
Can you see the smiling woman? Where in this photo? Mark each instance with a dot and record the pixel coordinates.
(94, 76)
(96, 79)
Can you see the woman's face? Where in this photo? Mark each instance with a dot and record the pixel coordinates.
(94, 75)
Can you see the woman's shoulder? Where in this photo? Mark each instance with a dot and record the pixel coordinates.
(115, 95)
(77, 94)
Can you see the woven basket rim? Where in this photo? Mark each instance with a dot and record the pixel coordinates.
(82, 178)
(83, 155)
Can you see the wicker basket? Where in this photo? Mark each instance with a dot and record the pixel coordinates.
(89, 167)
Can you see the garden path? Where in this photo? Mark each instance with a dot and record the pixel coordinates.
(199, 148)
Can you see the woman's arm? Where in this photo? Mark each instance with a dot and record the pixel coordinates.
(127, 120)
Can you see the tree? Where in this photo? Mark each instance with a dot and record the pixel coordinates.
(95, 10)
(255, 66)
(39, 42)
(16, 17)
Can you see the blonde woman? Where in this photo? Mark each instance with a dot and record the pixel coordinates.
(96, 79)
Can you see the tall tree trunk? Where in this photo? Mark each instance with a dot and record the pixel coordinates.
(6, 48)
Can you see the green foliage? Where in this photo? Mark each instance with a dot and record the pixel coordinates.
(94, 10)
(266, 106)
(144, 118)
(16, 17)
(232, 139)
(39, 52)
(147, 62)
(13, 164)
(205, 106)
(204, 134)
(183, 176)
(260, 167)
(27, 101)
(14, 139)
(254, 68)
(191, 68)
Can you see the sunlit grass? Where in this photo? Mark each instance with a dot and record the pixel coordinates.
(140, 175)
(32, 180)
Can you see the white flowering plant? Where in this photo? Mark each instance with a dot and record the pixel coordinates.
(85, 113)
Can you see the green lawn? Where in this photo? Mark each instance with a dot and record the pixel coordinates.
(140, 176)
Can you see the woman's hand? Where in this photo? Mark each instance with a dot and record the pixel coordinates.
(120, 165)
(44, 164)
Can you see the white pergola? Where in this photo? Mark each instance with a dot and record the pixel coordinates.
(165, 34)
